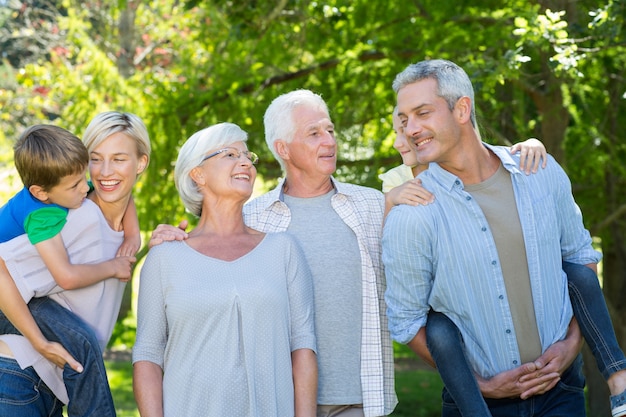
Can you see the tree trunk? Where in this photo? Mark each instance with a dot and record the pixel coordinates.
(126, 29)
(613, 230)
(125, 66)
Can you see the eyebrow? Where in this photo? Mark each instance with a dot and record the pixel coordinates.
(115, 154)
(414, 109)
(75, 183)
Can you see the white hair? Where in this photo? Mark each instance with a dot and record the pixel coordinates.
(191, 154)
(279, 120)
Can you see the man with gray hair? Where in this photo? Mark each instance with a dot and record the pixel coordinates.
(487, 253)
(339, 227)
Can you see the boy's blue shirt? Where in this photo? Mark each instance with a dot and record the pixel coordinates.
(24, 214)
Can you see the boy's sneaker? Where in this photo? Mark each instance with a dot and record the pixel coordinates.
(618, 404)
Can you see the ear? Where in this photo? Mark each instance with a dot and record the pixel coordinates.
(463, 109)
(282, 149)
(197, 175)
(38, 192)
(143, 163)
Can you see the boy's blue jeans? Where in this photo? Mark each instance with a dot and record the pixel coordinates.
(24, 394)
(89, 392)
(461, 391)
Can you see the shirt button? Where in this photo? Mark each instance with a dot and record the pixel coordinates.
(514, 362)
(501, 297)
(457, 182)
(484, 229)
(494, 263)
(508, 331)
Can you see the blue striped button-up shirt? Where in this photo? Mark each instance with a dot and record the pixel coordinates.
(443, 256)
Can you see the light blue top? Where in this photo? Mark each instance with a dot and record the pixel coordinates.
(224, 331)
(443, 256)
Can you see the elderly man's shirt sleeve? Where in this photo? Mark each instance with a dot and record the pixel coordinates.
(408, 261)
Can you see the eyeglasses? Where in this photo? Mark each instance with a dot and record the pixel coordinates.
(233, 154)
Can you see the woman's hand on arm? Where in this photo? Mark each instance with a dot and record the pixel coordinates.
(304, 364)
(167, 233)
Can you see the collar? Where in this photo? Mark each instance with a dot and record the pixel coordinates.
(449, 180)
(277, 194)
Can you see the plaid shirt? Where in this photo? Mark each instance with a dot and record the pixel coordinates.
(362, 210)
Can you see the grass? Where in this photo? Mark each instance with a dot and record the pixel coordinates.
(418, 391)
(419, 394)
(121, 380)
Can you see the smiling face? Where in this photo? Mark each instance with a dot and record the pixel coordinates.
(401, 144)
(313, 151)
(227, 173)
(114, 166)
(70, 192)
(428, 121)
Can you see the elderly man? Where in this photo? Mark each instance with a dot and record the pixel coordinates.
(339, 227)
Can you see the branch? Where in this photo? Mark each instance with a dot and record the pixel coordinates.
(610, 219)
(277, 79)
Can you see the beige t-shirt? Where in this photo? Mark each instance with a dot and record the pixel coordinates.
(497, 201)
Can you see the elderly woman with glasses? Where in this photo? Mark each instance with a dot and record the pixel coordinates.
(225, 317)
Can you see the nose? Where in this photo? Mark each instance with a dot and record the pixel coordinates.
(400, 141)
(412, 128)
(329, 139)
(84, 186)
(106, 168)
(244, 160)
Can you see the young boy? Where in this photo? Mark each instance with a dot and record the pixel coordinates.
(52, 164)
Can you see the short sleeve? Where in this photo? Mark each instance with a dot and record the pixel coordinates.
(44, 223)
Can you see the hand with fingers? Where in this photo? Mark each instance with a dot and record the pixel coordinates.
(411, 193)
(168, 233)
(57, 354)
(539, 376)
(532, 153)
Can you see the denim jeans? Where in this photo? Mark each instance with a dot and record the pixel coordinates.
(567, 399)
(445, 344)
(89, 392)
(24, 394)
(593, 318)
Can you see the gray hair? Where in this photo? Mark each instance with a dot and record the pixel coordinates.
(452, 81)
(108, 123)
(279, 120)
(190, 156)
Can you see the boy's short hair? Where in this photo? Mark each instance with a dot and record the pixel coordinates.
(46, 153)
